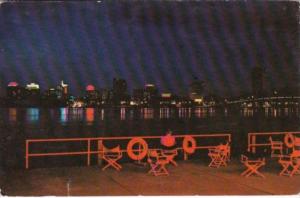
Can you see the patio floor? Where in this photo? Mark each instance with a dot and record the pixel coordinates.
(189, 178)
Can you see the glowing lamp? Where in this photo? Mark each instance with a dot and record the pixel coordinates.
(168, 140)
(13, 84)
(90, 88)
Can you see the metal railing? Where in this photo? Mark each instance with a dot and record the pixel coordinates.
(88, 152)
(252, 139)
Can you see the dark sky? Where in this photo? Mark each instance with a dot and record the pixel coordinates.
(166, 43)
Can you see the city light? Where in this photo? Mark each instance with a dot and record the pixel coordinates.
(13, 84)
(32, 86)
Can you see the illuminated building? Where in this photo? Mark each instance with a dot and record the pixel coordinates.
(32, 95)
(146, 96)
(106, 96)
(150, 93)
(166, 95)
(91, 96)
(196, 91)
(167, 99)
(62, 90)
(137, 96)
(33, 89)
(14, 91)
(51, 93)
(32, 86)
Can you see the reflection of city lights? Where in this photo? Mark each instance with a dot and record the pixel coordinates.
(147, 113)
(123, 113)
(63, 115)
(33, 114)
(12, 114)
(89, 113)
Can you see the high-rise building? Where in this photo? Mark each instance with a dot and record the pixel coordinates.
(14, 91)
(91, 96)
(119, 86)
(33, 94)
(33, 89)
(138, 94)
(106, 96)
(119, 91)
(257, 76)
(196, 90)
(62, 90)
(150, 91)
(51, 93)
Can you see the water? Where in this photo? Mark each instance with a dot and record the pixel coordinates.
(19, 124)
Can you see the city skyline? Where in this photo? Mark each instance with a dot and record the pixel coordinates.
(164, 43)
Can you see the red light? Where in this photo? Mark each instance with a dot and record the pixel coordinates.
(13, 84)
(90, 88)
(168, 140)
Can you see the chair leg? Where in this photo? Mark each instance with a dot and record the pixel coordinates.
(252, 170)
(173, 162)
(258, 173)
(245, 172)
(113, 163)
(296, 170)
(285, 170)
(152, 170)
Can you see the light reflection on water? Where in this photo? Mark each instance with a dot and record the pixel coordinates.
(33, 114)
(147, 113)
(92, 115)
(123, 113)
(184, 112)
(12, 114)
(64, 115)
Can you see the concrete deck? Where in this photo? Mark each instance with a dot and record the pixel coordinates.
(189, 178)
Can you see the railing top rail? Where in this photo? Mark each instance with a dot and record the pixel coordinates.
(124, 138)
(273, 133)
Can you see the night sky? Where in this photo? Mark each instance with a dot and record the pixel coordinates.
(166, 43)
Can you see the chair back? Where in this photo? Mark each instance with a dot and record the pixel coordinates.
(244, 158)
(224, 149)
(153, 153)
(152, 156)
(296, 148)
(275, 144)
(116, 149)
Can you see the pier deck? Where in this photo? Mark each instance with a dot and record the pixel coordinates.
(189, 178)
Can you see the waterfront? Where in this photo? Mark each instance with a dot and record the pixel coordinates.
(18, 124)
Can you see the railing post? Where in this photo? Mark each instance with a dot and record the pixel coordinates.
(100, 149)
(139, 160)
(26, 155)
(185, 156)
(89, 152)
(253, 143)
(249, 142)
